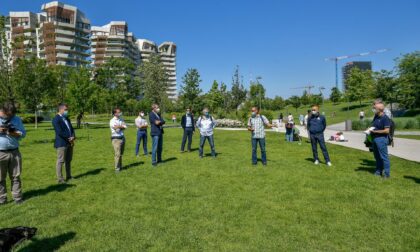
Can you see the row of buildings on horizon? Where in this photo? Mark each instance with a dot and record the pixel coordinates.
(62, 35)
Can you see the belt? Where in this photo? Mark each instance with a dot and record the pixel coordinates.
(11, 150)
(117, 137)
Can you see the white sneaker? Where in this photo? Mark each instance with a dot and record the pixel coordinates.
(316, 162)
(329, 164)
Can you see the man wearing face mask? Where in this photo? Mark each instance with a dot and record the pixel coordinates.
(156, 131)
(256, 126)
(11, 132)
(380, 130)
(64, 142)
(187, 123)
(141, 125)
(118, 126)
(206, 124)
(316, 126)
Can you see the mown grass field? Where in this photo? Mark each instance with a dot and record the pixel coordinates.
(223, 204)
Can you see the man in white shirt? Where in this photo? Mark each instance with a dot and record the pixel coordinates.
(141, 125)
(117, 126)
(206, 124)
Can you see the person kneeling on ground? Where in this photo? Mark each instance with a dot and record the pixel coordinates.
(316, 126)
(256, 125)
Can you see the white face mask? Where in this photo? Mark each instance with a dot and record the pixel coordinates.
(158, 110)
(141, 114)
(374, 111)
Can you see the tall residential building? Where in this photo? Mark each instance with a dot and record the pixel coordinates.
(21, 34)
(64, 35)
(362, 65)
(113, 40)
(167, 52)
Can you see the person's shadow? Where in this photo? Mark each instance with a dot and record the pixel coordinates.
(132, 165)
(367, 166)
(89, 173)
(417, 180)
(44, 191)
(48, 244)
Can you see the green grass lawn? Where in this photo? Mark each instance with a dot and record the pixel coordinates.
(223, 204)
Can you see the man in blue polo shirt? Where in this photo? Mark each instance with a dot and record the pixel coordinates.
(380, 130)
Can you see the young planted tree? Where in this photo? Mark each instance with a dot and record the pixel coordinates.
(335, 95)
(238, 92)
(33, 81)
(81, 90)
(295, 101)
(359, 85)
(154, 80)
(214, 98)
(190, 90)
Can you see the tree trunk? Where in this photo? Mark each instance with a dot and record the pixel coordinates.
(36, 119)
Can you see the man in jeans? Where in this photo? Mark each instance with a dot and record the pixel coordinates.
(11, 132)
(141, 125)
(206, 124)
(117, 126)
(316, 126)
(380, 129)
(187, 123)
(64, 142)
(256, 126)
(156, 131)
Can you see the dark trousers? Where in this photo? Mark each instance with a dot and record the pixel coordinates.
(188, 133)
(319, 138)
(380, 151)
(261, 142)
(141, 136)
(211, 142)
(157, 147)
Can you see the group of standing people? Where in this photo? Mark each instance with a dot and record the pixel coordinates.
(12, 131)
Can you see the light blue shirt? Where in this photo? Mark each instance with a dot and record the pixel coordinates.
(8, 142)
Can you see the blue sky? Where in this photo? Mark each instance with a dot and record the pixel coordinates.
(285, 42)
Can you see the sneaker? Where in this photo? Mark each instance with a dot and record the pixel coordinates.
(18, 202)
(254, 164)
(154, 164)
(61, 181)
(182, 151)
(117, 170)
(316, 162)
(329, 164)
(265, 164)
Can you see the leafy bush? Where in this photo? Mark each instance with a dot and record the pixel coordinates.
(31, 119)
(410, 124)
(360, 124)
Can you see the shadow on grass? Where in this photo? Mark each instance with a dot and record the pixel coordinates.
(169, 159)
(89, 173)
(49, 244)
(209, 154)
(45, 141)
(40, 192)
(132, 165)
(417, 180)
(368, 166)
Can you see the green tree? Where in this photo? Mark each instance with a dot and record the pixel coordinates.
(335, 95)
(34, 81)
(256, 93)
(359, 85)
(81, 90)
(154, 80)
(386, 86)
(277, 103)
(238, 91)
(408, 67)
(190, 90)
(294, 101)
(214, 98)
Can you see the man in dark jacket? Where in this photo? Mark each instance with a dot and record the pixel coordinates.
(187, 123)
(64, 142)
(316, 127)
(156, 131)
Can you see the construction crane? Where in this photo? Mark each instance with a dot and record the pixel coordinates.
(336, 59)
(308, 88)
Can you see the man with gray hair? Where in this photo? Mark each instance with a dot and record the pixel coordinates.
(380, 130)
(206, 124)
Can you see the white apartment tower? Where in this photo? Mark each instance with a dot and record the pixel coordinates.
(113, 40)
